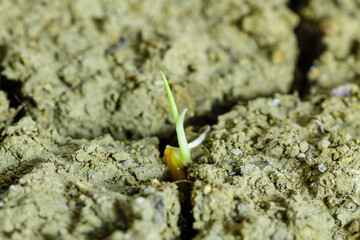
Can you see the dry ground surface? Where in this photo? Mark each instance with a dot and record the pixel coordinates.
(84, 118)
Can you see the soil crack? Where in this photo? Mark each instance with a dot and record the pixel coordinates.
(309, 38)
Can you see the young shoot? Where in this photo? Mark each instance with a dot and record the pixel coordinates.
(179, 158)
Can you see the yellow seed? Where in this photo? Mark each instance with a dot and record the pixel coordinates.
(174, 163)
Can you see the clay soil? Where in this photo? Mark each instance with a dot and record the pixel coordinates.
(84, 119)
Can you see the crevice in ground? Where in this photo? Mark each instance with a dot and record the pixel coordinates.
(309, 37)
(14, 94)
(186, 219)
(12, 89)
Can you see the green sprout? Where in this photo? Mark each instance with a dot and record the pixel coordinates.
(185, 155)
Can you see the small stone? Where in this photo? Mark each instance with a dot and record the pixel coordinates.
(322, 168)
(235, 151)
(330, 201)
(304, 146)
(155, 182)
(301, 155)
(139, 200)
(207, 189)
(149, 190)
(276, 102)
(90, 147)
(323, 144)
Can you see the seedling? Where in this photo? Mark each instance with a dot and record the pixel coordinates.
(177, 158)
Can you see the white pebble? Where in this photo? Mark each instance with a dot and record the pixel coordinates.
(235, 151)
(301, 155)
(322, 168)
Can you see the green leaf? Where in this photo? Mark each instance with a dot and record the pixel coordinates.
(171, 99)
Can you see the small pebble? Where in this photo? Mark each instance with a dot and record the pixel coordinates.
(207, 189)
(276, 102)
(304, 146)
(149, 190)
(322, 168)
(139, 200)
(301, 155)
(235, 151)
(323, 144)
